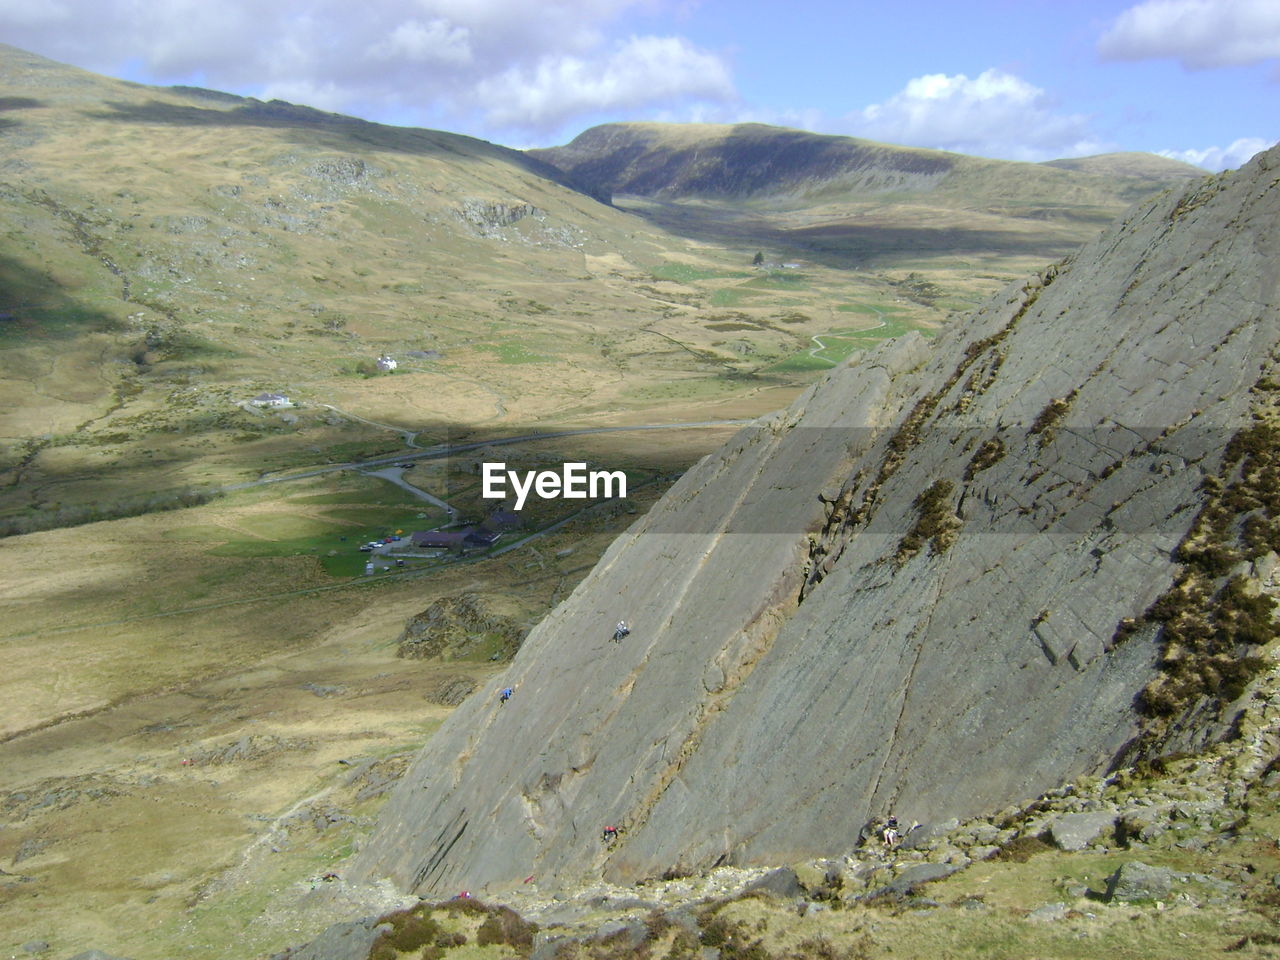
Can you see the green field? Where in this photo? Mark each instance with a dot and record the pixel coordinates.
(732, 296)
(510, 351)
(687, 273)
(781, 280)
(838, 345)
(327, 526)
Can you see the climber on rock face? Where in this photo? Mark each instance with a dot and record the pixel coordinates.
(610, 834)
(620, 631)
(505, 695)
(889, 835)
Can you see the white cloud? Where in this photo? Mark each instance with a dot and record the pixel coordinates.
(415, 41)
(24, 13)
(418, 61)
(1221, 158)
(995, 114)
(1199, 33)
(641, 71)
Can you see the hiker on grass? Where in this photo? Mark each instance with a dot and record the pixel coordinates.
(620, 631)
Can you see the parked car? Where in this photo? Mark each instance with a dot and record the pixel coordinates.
(395, 538)
(366, 548)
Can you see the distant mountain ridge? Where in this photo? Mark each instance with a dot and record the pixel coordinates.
(1130, 164)
(749, 160)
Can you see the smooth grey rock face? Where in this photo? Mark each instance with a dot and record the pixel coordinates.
(793, 669)
(1075, 831)
(342, 941)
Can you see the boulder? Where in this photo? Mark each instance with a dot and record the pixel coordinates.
(1048, 913)
(986, 833)
(1075, 831)
(342, 941)
(914, 876)
(1136, 880)
(622, 932)
(922, 834)
(782, 882)
(547, 946)
(1145, 823)
(813, 874)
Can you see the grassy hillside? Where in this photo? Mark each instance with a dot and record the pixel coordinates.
(167, 254)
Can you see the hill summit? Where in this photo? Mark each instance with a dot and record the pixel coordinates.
(754, 160)
(945, 579)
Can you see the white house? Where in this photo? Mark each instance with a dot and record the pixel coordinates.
(386, 364)
(274, 400)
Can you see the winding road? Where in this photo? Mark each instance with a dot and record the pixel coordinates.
(409, 435)
(396, 475)
(443, 451)
(822, 346)
(431, 453)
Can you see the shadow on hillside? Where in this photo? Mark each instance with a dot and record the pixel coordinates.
(356, 133)
(15, 103)
(850, 245)
(33, 307)
(845, 246)
(110, 474)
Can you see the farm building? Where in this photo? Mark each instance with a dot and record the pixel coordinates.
(275, 400)
(440, 539)
(504, 520)
(481, 537)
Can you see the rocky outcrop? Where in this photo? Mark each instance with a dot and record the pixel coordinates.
(342, 941)
(461, 627)
(921, 589)
(490, 214)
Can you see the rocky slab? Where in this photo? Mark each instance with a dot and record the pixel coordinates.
(900, 595)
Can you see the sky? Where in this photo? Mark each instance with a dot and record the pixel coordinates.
(1196, 80)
